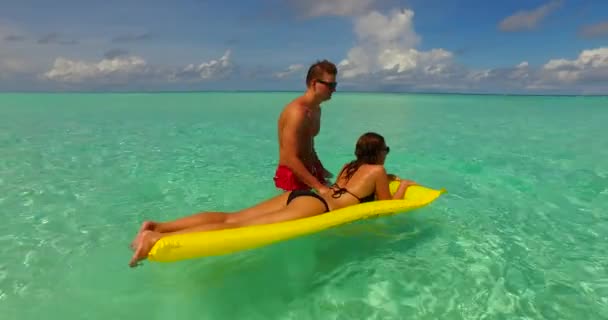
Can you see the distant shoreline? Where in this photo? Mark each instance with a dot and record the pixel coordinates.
(296, 92)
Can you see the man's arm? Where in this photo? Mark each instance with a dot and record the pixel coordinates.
(293, 136)
(326, 173)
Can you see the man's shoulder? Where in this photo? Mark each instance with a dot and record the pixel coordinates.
(295, 103)
(293, 109)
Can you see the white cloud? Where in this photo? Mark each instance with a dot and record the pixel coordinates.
(528, 19)
(317, 8)
(66, 70)
(385, 57)
(591, 65)
(122, 68)
(511, 77)
(386, 45)
(520, 72)
(213, 69)
(588, 73)
(294, 68)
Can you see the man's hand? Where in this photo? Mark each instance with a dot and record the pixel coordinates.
(324, 190)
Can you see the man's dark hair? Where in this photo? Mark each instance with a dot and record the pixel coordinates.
(318, 69)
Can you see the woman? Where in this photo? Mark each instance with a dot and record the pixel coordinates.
(362, 180)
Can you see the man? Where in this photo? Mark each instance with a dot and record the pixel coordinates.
(300, 121)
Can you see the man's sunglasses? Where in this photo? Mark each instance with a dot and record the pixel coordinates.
(331, 85)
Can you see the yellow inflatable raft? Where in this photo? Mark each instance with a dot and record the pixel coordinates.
(214, 243)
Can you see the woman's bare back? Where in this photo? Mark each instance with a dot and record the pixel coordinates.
(362, 184)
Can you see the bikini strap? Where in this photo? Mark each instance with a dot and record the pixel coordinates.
(340, 191)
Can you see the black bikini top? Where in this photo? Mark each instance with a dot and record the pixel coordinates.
(340, 191)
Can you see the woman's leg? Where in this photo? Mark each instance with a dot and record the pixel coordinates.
(298, 208)
(273, 204)
(301, 207)
(187, 222)
(204, 218)
(200, 218)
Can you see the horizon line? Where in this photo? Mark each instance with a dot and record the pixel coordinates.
(301, 91)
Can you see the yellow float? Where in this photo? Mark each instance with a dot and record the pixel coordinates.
(221, 242)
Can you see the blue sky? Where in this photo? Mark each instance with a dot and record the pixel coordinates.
(517, 46)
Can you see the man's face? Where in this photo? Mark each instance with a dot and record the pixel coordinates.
(325, 85)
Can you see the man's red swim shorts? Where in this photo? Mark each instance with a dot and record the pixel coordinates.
(285, 179)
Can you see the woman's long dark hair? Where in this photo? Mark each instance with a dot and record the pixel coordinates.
(367, 151)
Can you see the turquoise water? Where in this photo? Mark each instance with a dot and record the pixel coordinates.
(521, 234)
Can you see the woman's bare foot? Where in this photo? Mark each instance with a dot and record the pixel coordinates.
(147, 225)
(146, 242)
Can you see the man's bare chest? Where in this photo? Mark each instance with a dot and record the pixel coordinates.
(313, 123)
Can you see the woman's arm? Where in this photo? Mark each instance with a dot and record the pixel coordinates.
(383, 191)
(403, 184)
(382, 186)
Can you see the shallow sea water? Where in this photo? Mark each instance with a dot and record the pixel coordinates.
(521, 233)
